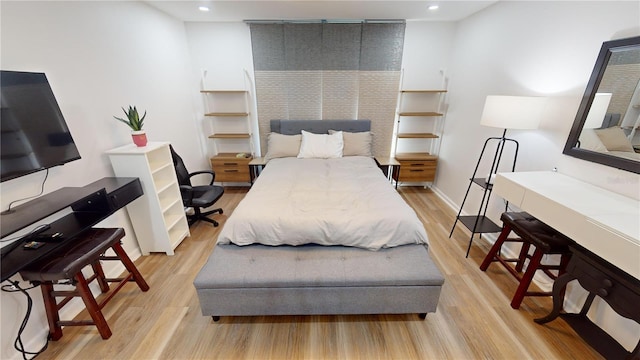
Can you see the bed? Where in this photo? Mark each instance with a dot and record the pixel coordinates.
(320, 236)
(611, 141)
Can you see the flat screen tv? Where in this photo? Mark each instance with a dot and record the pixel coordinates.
(34, 133)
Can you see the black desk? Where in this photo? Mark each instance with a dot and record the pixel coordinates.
(599, 277)
(90, 204)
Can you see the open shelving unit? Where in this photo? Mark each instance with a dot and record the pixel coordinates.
(419, 125)
(478, 223)
(230, 133)
(159, 219)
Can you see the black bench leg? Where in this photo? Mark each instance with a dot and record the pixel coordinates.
(216, 318)
(422, 316)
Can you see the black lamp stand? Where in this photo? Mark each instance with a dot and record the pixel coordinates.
(479, 223)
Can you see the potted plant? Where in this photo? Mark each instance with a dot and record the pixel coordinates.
(135, 122)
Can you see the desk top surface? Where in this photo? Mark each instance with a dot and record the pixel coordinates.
(602, 221)
(37, 209)
(618, 212)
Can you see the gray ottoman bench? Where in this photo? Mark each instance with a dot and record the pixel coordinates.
(312, 280)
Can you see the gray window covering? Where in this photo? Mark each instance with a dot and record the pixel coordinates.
(325, 70)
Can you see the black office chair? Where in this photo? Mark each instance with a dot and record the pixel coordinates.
(196, 197)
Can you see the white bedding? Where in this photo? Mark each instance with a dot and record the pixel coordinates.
(345, 201)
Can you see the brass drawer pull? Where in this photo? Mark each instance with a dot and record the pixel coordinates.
(416, 170)
(230, 170)
(235, 164)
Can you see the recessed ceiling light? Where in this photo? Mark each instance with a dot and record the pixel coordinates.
(433, 7)
(203, 8)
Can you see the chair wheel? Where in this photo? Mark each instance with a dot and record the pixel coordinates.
(221, 212)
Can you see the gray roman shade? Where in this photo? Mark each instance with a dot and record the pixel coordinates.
(324, 71)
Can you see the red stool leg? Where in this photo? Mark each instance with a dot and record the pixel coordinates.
(130, 266)
(51, 308)
(97, 269)
(506, 230)
(524, 251)
(526, 279)
(92, 307)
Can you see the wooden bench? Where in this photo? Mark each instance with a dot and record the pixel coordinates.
(67, 264)
(531, 232)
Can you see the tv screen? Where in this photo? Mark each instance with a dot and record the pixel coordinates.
(34, 133)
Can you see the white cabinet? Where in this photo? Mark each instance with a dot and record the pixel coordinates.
(158, 217)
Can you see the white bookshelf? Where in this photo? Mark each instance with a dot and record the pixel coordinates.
(158, 217)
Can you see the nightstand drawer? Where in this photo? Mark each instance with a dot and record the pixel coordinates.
(228, 174)
(229, 168)
(417, 170)
(229, 163)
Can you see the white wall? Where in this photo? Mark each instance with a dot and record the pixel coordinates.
(427, 54)
(532, 48)
(98, 57)
(529, 48)
(222, 60)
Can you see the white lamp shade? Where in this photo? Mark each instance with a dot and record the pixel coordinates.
(512, 112)
(598, 110)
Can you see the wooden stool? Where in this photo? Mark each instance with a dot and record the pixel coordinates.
(67, 264)
(534, 232)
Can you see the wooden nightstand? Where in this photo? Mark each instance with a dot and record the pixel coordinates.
(416, 167)
(230, 168)
(387, 165)
(255, 167)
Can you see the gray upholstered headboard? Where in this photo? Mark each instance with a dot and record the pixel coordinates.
(292, 127)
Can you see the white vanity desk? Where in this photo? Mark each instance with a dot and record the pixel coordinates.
(606, 223)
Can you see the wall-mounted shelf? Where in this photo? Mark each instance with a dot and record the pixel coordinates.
(230, 136)
(230, 124)
(228, 114)
(420, 113)
(417, 136)
(419, 124)
(90, 205)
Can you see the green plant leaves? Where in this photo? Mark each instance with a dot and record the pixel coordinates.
(134, 121)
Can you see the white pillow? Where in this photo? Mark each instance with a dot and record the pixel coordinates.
(614, 139)
(356, 143)
(321, 146)
(279, 145)
(590, 141)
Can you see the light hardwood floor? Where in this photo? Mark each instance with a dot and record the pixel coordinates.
(473, 319)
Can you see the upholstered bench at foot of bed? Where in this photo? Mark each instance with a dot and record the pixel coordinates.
(316, 280)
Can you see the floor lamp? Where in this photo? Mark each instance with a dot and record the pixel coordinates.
(505, 112)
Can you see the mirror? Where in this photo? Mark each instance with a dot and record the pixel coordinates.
(607, 126)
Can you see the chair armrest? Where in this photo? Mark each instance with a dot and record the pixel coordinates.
(210, 172)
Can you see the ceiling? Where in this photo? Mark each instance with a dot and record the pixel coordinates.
(238, 10)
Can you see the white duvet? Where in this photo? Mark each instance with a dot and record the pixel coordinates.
(345, 201)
